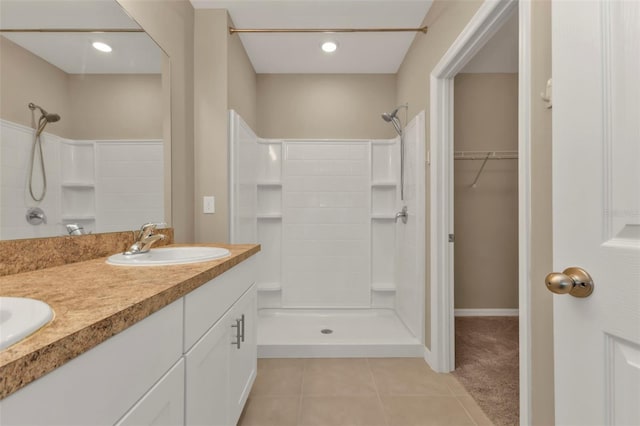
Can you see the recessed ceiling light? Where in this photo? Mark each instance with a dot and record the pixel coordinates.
(103, 47)
(329, 46)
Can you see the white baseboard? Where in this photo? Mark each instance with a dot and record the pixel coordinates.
(428, 357)
(486, 312)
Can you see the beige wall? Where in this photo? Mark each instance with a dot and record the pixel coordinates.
(325, 106)
(25, 78)
(542, 386)
(224, 79)
(92, 106)
(170, 24)
(446, 19)
(210, 86)
(115, 106)
(486, 217)
(242, 82)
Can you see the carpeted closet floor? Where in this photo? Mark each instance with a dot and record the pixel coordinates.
(487, 365)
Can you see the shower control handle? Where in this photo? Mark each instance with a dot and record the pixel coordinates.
(238, 338)
(36, 216)
(575, 281)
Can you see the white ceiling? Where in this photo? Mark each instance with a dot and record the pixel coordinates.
(72, 52)
(500, 54)
(269, 53)
(301, 53)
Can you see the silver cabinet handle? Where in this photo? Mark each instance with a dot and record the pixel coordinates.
(242, 320)
(238, 338)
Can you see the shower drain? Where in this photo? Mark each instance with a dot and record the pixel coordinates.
(326, 331)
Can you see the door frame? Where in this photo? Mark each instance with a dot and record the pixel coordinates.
(484, 24)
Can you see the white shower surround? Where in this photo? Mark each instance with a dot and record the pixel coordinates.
(104, 185)
(332, 254)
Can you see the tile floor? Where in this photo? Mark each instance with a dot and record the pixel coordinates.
(357, 392)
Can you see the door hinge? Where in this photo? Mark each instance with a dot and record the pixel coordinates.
(452, 238)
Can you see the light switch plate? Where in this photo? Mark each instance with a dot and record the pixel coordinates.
(208, 204)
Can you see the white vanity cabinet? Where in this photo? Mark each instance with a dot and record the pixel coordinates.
(221, 365)
(100, 386)
(180, 365)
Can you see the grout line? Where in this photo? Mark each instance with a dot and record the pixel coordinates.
(466, 411)
(375, 385)
(452, 377)
(304, 370)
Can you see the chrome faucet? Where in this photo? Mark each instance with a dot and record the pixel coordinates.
(402, 214)
(145, 239)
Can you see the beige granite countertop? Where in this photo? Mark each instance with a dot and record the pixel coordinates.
(93, 301)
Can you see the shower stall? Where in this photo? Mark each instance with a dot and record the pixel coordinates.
(339, 274)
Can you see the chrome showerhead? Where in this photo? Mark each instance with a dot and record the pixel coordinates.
(391, 117)
(388, 116)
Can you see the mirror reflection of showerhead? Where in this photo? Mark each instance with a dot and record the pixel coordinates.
(45, 117)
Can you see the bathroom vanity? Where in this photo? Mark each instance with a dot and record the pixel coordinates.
(135, 345)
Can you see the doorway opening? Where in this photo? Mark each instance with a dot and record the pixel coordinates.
(488, 21)
(485, 209)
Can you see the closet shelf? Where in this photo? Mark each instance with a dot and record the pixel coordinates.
(483, 155)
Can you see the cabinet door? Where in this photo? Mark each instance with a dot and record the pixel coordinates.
(163, 404)
(243, 362)
(207, 377)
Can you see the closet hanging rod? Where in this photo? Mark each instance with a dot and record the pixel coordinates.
(233, 30)
(484, 155)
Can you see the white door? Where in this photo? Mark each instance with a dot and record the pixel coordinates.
(596, 209)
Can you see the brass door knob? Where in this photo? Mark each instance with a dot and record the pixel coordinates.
(575, 281)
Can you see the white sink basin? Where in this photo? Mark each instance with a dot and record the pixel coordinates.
(19, 317)
(169, 256)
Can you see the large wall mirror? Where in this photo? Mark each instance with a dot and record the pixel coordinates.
(84, 127)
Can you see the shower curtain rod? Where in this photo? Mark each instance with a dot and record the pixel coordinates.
(233, 30)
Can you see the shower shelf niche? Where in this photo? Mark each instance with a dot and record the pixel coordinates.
(383, 184)
(70, 218)
(269, 287)
(383, 216)
(383, 287)
(78, 185)
(273, 216)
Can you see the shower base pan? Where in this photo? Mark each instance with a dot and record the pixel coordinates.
(320, 333)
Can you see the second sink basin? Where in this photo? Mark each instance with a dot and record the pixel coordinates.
(169, 256)
(20, 317)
